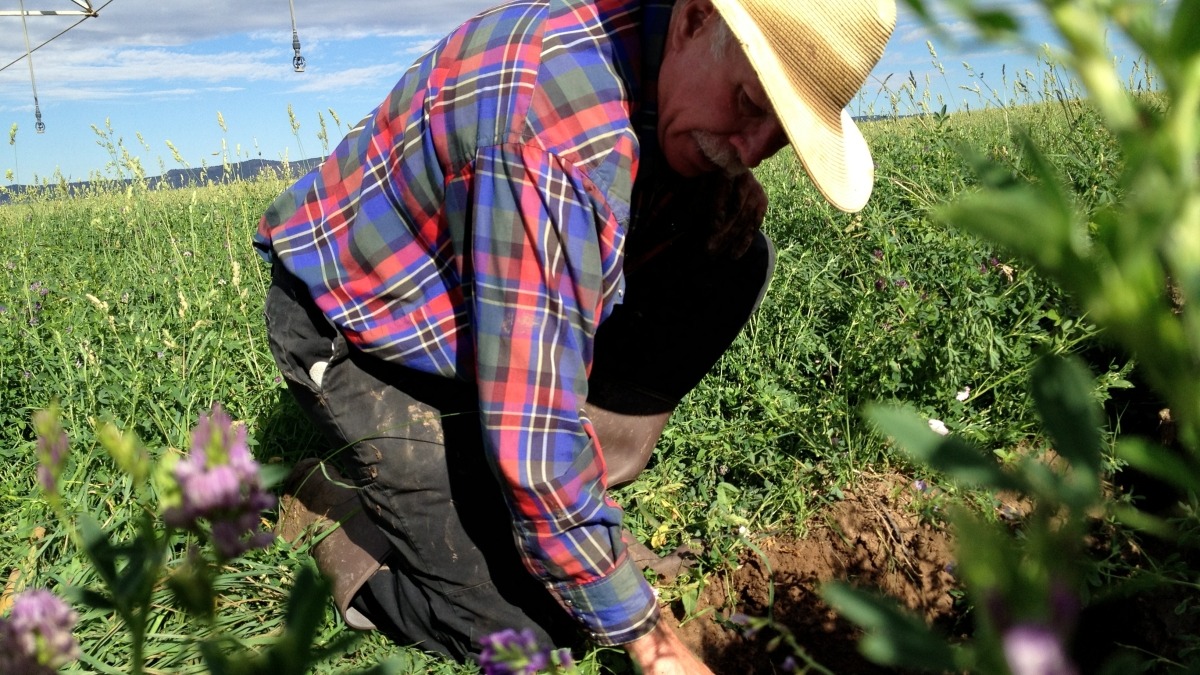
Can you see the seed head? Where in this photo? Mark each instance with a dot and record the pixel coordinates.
(52, 445)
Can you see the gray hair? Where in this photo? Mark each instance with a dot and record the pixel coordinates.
(722, 35)
(721, 38)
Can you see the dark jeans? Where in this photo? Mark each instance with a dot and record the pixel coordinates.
(412, 442)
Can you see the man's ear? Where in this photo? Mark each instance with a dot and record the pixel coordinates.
(689, 20)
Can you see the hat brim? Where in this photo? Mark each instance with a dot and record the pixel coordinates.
(828, 143)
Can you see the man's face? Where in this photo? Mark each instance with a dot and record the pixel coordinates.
(713, 112)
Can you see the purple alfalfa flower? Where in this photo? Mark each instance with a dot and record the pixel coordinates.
(880, 284)
(207, 490)
(219, 482)
(512, 652)
(35, 638)
(877, 254)
(901, 282)
(920, 485)
(565, 660)
(745, 623)
(789, 665)
(1035, 649)
(52, 445)
(234, 536)
(539, 660)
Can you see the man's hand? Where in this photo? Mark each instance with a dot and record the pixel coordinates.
(661, 652)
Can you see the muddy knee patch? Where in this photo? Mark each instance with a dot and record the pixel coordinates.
(429, 420)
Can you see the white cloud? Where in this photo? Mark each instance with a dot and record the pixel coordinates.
(378, 77)
(159, 23)
(220, 42)
(956, 28)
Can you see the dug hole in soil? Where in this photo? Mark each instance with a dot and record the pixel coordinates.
(872, 538)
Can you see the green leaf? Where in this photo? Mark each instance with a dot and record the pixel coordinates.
(1062, 391)
(1159, 462)
(1140, 520)
(894, 637)
(98, 549)
(955, 457)
(689, 598)
(1006, 210)
(306, 605)
(192, 587)
(296, 650)
(90, 598)
(392, 666)
(995, 24)
(989, 558)
(273, 475)
(1183, 43)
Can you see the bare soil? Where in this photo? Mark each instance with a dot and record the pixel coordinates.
(872, 538)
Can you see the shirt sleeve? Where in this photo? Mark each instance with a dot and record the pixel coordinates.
(537, 298)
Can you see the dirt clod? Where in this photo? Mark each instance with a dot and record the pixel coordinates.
(872, 538)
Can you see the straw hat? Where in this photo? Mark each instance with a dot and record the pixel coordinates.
(812, 57)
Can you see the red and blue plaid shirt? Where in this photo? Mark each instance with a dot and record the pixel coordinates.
(472, 226)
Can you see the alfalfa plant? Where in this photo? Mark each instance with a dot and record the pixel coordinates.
(197, 514)
(1132, 262)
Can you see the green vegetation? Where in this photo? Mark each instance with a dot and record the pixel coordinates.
(143, 307)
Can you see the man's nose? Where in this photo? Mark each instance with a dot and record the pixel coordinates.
(758, 142)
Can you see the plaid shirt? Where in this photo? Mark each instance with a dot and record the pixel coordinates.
(473, 226)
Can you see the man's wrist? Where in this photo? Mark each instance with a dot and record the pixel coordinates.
(645, 646)
(615, 609)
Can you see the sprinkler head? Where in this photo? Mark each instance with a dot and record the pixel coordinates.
(297, 60)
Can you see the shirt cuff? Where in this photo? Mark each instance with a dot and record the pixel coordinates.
(615, 609)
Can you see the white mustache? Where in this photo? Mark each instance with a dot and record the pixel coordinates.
(719, 153)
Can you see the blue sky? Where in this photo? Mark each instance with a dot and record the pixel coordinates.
(157, 72)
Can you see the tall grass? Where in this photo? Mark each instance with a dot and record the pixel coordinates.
(143, 307)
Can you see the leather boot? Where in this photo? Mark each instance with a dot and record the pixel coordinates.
(627, 440)
(628, 422)
(318, 505)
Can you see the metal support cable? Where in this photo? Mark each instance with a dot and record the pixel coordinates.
(94, 13)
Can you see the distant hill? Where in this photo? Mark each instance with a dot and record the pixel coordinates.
(177, 178)
(247, 170)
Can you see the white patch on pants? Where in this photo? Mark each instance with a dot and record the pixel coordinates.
(317, 372)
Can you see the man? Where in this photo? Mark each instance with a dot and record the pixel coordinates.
(497, 288)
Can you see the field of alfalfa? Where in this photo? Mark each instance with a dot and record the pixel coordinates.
(143, 307)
